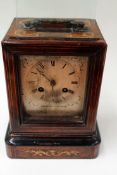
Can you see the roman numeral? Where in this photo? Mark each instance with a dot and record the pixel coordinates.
(34, 90)
(71, 73)
(53, 63)
(31, 81)
(81, 67)
(25, 59)
(70, 91)
(63, 98)
(33, 72)
(25, 62)
(74, 82)
(64, 66)
(42, 97)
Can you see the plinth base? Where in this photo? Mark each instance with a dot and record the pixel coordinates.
(55, 147)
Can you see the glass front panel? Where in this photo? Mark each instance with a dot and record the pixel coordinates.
(53, 85)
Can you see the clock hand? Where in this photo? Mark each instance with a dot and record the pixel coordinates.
(46, 77)
(43, 75)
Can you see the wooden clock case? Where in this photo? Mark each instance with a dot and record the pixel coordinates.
(58, 139)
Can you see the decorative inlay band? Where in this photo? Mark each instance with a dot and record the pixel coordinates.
(54, 153)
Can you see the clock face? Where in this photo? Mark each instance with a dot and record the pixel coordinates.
(53, 85)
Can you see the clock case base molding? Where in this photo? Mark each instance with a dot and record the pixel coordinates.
(52, 148)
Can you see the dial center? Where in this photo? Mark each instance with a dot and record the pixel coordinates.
(52, 82)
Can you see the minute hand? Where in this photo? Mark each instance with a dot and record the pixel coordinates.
(44, 75)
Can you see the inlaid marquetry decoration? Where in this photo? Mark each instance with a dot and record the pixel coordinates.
(52, 153)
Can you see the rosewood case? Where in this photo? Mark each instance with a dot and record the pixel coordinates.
(56, 37)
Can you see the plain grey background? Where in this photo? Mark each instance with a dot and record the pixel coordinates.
(105, 12)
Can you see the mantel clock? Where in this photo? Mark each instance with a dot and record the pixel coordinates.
(53, 73)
